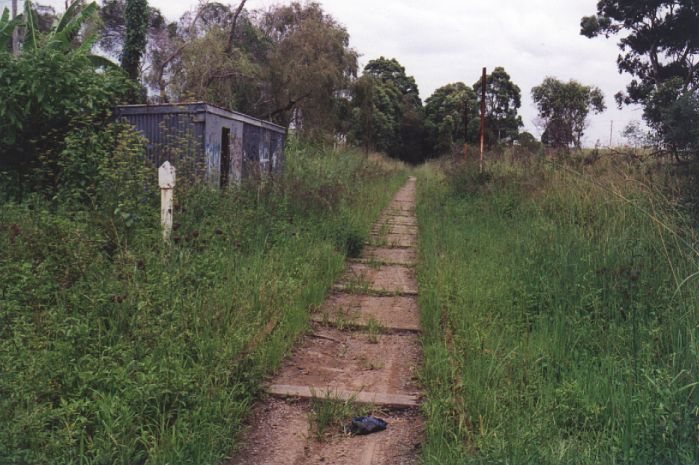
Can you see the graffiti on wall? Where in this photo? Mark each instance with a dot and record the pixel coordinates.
(213, 161)
(192, 136)
(237, 156)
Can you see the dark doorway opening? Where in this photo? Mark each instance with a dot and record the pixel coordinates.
(225, 156)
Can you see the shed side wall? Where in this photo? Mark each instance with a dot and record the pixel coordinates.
(174, 137)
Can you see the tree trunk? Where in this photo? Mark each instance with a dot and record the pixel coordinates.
(234, 23)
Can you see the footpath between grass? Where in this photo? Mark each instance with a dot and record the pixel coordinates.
(116, 349)
(558, 325)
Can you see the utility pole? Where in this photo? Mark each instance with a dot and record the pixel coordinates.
(465, 129)
(611, 131)
(483, 115)
(15, 31)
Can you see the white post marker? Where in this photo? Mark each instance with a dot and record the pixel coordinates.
(166, 179)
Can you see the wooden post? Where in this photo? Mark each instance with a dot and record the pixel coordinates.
(15, 31)
(465, 129)
(611, 132)
(483, 79)
(166, 180)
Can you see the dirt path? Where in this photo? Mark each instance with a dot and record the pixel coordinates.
(364, 348)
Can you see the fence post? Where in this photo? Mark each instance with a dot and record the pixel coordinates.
(166, 180)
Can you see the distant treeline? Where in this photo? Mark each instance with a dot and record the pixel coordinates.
(292, 63)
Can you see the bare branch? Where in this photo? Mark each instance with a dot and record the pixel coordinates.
(161, 67)
(234, 22)
(289, 106)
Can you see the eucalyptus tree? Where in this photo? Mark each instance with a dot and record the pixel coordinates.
(389, 70)
(362, 125)
(659, 47)
(190, 58)
(563, 110)
(396, 122)
(376, 115)
(503, 99)
(451, 117)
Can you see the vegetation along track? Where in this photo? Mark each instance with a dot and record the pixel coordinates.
(360, 357)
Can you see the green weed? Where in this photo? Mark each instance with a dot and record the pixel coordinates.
(375, 263)
(342, 319)
(117, 348)
(558, 324)
(374, 330)
(358, 283)
(329, 414)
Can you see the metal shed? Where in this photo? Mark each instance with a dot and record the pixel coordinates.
(205, 141)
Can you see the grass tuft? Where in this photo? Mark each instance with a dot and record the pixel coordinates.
(328, 415)
(560, 317)
(115, 348)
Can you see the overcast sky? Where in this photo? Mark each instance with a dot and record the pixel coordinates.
(443, 41)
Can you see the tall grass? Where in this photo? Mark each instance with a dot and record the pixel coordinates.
(561, 317)
(117, 349)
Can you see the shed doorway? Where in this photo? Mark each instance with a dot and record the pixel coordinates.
(225, 157)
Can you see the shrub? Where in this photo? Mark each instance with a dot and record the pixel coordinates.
(115, 348)
(107, 170)
(529, 143)
(46, 94)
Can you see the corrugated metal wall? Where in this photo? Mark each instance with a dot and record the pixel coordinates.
(276, 147)
(214, 147)
(191, 135)
(251, 151)
(169, 135)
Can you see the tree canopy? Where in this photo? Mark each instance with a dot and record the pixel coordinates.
(449, 112)
(387, 111)
(659, 44)
(289, 63)
(563, 110)
(310, 61)
(293, 64)
(136, 20)
(52, 87)
(452, 113)
(389, 70)
(113, 25)
(503, 99)
(195, 61)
